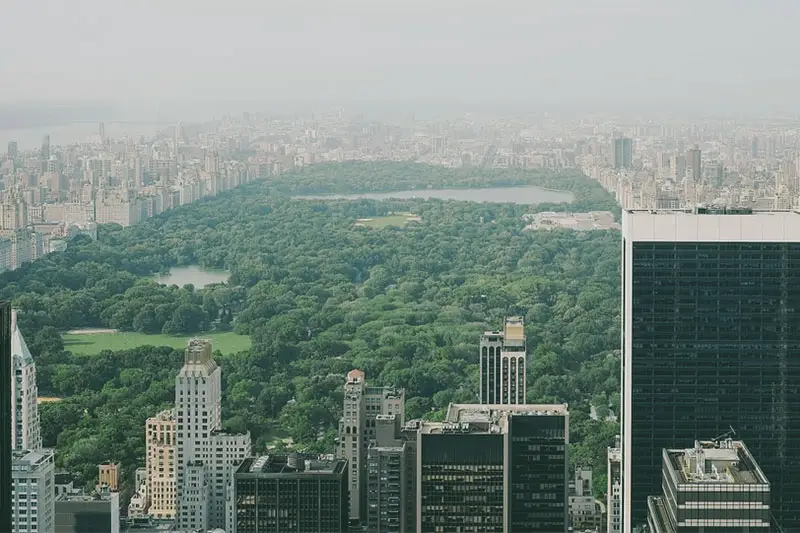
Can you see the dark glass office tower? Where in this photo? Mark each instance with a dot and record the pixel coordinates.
(711, 341)
(494, 469)
(5, 416)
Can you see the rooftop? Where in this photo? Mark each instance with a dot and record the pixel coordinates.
(722, 462)
(295, 464)
(488, 418)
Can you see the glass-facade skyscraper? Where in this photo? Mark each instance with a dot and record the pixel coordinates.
(711, 342)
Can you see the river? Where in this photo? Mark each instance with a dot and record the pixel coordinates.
(527, 195)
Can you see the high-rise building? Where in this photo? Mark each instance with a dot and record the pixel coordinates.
(503, 371)
(13, 149)
(108, 475)
(614, 490)
(386, 479)
(362, 405)
(206, 456)
(160, 464)
(25, 429)
(33, 491)
(715, 486)
(291, 493)
(494, 468)
(623, 152)
(5, 416)
(45, 155)
(677, 167)
(695, 161)
(710, 299)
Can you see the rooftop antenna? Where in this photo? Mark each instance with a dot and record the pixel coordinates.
(727, 435)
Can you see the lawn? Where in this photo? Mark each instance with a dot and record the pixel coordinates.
(89, 344)
(399, 220)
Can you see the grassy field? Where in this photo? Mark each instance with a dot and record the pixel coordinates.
(398, 220)
(89, 344)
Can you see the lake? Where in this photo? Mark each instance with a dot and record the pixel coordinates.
(527, 195)
(197, 276)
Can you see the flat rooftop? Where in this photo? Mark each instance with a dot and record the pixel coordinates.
(283, 465)
(488, 418)
(683, 225)
(724, 462)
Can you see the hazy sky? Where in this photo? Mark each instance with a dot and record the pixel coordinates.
(591, 54)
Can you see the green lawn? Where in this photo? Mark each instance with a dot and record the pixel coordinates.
(399, 220)
(95, 343)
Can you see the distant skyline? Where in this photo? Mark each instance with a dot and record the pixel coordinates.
(643, 55)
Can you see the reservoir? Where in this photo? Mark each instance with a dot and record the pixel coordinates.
(197, 276)
(527, 195)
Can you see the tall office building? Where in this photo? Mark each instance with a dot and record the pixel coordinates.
(503, 371)
(495, 469)
(387, 478)
(25, 429)
(614, 489)
(715, 486)
(5, 416)
(160, 464)
(88, 513)
(622, 149)
(362, 405)
(13, 149)
(291, 493)
(33, 491)
(711, 299)
(205, 455)
(695, 161)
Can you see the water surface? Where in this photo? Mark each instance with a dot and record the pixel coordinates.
(527, 195)
(197, 276)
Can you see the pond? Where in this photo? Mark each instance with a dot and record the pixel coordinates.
(197, 276)
(527, 195)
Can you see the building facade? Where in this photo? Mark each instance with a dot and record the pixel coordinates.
(160, 464)
(33, 490)
(494, 468)
(82, 513)
(205, 456)
(25, 427)
(715, 486)
(503, 369)
(292, 493)
(710, 300)
(614, 490)
(362, 405)
(386, 479)
(6, 366)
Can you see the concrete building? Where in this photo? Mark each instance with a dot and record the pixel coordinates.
(25, 427)
(710, 297)
(362, 405)
(386, 479)
(622, 153)
(81, 513)
(33, 491)
(614, 490)
(108, 475)
(472, 474)
(585, 512)
(205, 455)
(291, 493)
(5, 417)
(715, 486)
(503, 369)
(160, 464)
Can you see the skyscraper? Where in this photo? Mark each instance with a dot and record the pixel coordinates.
(5, 416)
(623, 152)
(160, 464)
(494, 468)
(614, 489)
(695, 161)
(25, 429)
(362, 405)
(386, 479)
(711, 300)
(12, 149)
(34, 495)
(45, 155)
(205, 455)
(503, 371)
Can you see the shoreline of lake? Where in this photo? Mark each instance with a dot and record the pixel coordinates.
(192, 274)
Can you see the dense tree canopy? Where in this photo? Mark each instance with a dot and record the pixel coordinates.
(320, 296)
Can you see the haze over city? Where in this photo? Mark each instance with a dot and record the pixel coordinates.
(209, 57)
